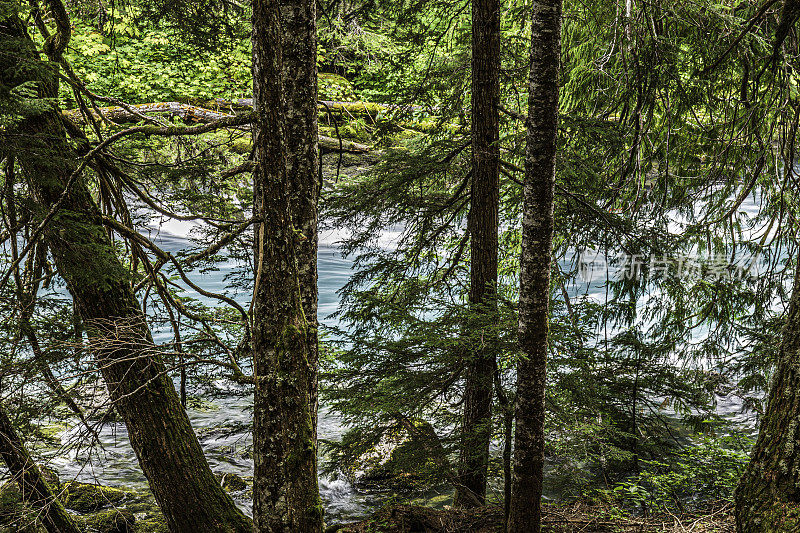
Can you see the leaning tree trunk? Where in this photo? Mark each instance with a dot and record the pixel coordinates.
(483, 226)
(143, 394)
(35, 490)
(535, 264)
(299, 23)
(768, 495)
(285, 495)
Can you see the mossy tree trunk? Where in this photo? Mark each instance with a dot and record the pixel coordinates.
(535, 265)
(159, 429)
(299, 23)
(768, 495)
(483, 227)
(285, 495)
(35, 490)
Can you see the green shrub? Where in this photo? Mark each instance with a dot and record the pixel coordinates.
(700, 474)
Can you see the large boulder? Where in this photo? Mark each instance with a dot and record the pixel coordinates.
(110, 521)
(151, 525)
(397, 460)
(17, 517)
(88, 498)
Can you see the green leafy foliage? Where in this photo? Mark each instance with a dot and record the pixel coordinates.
(699, 475)
(142, 62)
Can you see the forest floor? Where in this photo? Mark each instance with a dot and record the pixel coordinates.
(573, 518)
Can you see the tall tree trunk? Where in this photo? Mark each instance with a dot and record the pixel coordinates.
(535, 265)
(168, 451)
(768, 495)
(285, 495)
(35, 490)
(483, 226)
(299, 23)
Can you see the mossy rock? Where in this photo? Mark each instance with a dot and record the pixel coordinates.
(87, 498)
(144, 508)
(201, 405)
(51, 433)
(151, 525)
(110, 521)
(232, 482)
(11, 506)
(15, 515)
(356, 131)
(241, 145)
(397, 461)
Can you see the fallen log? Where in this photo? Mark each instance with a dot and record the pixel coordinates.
(119, 115)
(189, 114)
(351, 108)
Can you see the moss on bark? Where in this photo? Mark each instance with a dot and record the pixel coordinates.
(768, 495)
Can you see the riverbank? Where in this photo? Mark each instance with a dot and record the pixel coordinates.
(101, 509)
(579, 517)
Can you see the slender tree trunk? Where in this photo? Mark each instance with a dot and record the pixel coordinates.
(35, 490)
(159, 430)
(507, 408)
(299, 23)
(483, 225)
(768, 495)
(285, 495)
(535, 265)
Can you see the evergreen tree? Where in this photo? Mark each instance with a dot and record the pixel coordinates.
(299, 23)
(482, 224)
(535, 267)
(119, 337)
(285, 495)
(766, 498)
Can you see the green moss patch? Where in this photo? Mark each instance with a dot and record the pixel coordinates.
(87, 498)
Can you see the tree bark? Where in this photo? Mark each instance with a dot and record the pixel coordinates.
(285, 494)
(483, 227)
(299, 22)
(159, 430)
(768, 495)
(36, 492)
(535, 265)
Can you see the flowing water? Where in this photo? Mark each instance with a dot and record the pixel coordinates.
(223, 423)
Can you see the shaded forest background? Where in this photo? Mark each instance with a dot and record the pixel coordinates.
(674, 161)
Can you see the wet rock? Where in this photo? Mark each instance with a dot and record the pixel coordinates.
(87, 498)
(51, 433)
(396, 461)
(232, 482)
(201, 405)
(110, 521)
